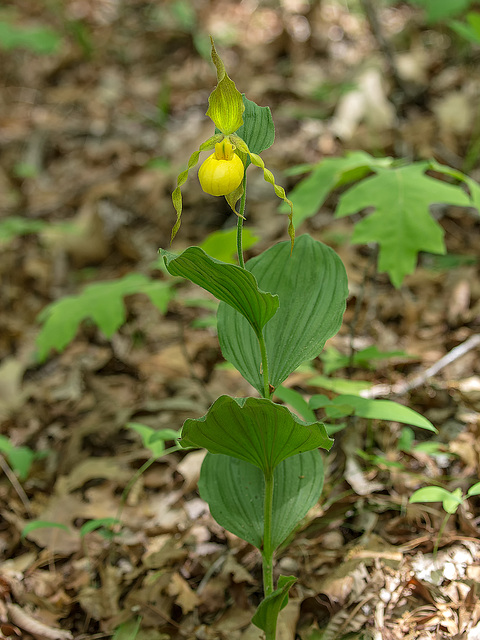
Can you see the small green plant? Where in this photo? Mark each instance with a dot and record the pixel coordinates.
(450, 500)
(263, 470)
(19, 458)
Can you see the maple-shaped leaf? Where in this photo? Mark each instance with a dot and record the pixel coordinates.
(401, 223)
(101, 302)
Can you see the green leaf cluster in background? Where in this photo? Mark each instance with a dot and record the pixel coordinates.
(101, 302)
(400, 196)
(329, 174)
(401, 222)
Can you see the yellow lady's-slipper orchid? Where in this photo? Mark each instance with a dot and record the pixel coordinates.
(222, 173)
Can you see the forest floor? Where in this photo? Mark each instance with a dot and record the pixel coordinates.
(94, 134)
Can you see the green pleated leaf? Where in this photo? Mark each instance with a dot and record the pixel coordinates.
(311, 285)
(266, 615)
(235, 491)
(229, 283)
(255, 430)
(258, 130)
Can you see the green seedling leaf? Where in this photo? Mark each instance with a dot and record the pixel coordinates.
(98, 523)
(430, 448)
(311, 285)
(42, 524)
(222, 245)
(255, 430)
(401, 223)
(229, 283)
(372, 409)
(16, 226)
(379, 461)
(154, 439)
(333, 360)
(405, 441)
(235, 492)
(101, 302)
(266, 615)
(474, 490)
(450, 500)
(297, 401)
(309, 195)
(128, 630)
(19, 458)
(339, 385)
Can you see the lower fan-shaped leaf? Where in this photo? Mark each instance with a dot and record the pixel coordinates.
(235, 491)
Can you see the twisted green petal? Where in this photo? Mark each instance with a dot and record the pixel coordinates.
(182, 177)
(268, 176)
(218, 62)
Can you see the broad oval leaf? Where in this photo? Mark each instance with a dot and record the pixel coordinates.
(258, 130)
(235, 491)
(255, 430)
(234, 286)
(311, 285)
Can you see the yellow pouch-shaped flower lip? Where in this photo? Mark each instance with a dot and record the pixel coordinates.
(222, 172)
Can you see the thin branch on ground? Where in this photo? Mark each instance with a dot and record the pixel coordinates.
(4, 466)
(402, 387)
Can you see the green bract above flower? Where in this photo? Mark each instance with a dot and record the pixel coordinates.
(223, 172)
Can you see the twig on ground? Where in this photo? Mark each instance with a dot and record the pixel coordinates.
(402, 387)
(15, 484)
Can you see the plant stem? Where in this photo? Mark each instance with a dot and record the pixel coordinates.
(440, 535)
(263, 352)
(240, 224)
(267, 552)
